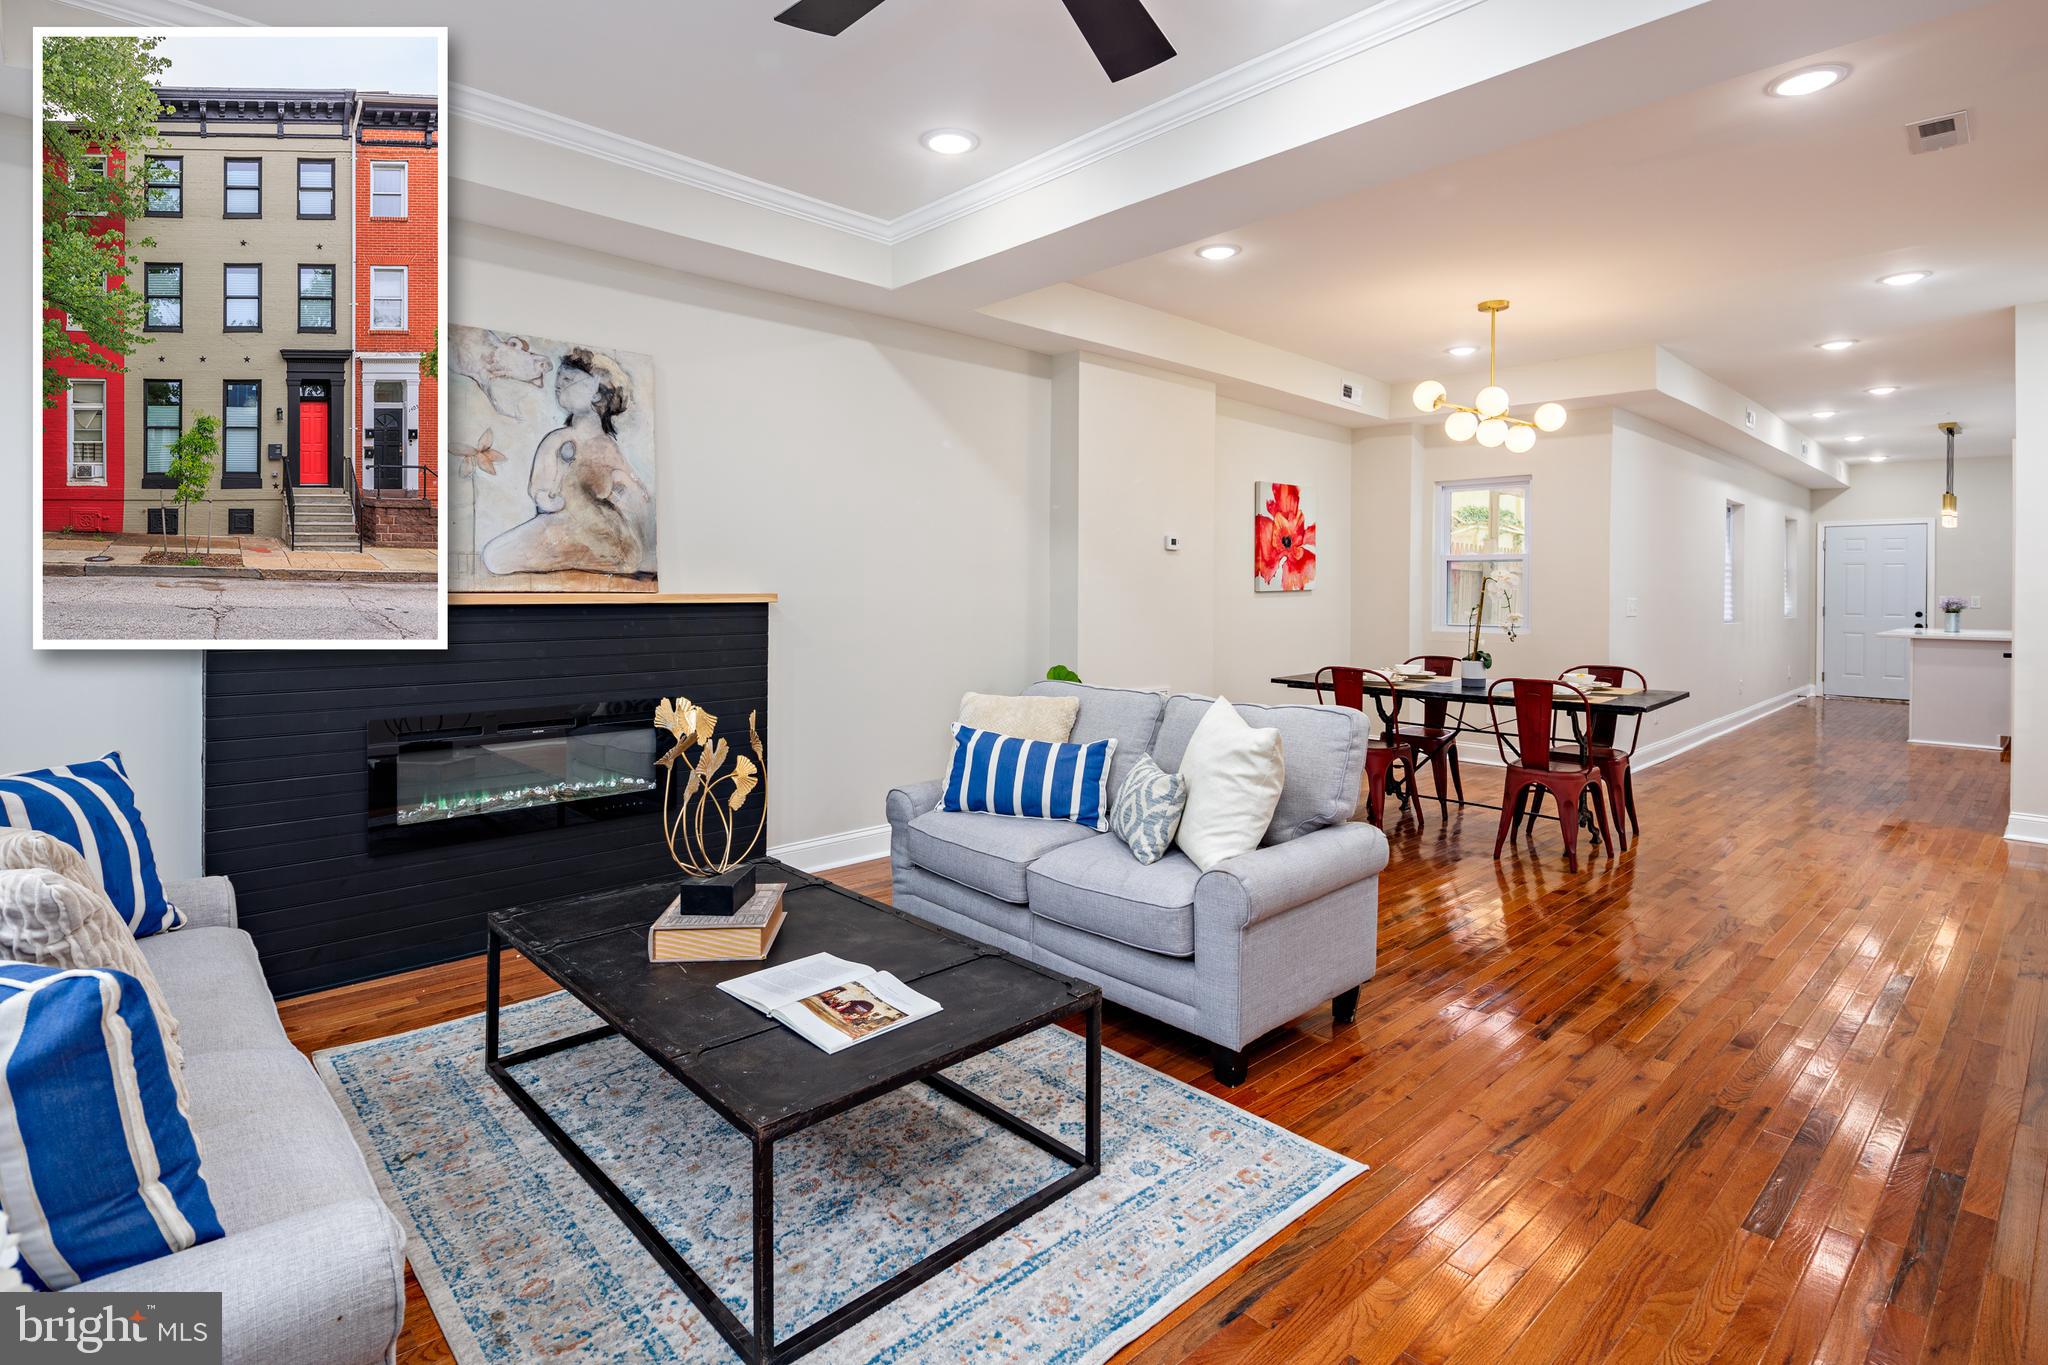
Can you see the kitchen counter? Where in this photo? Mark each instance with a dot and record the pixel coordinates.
(1960, 687)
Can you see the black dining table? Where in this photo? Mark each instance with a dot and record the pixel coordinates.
(1606, 709)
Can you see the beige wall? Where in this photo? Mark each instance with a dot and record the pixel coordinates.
(204, 355)
(2030, 609)
(1666, 535)
(1142, 449)
(1973, 560)
(890, 481)
(1259, 634)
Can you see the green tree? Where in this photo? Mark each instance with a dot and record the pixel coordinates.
(191, 470)
(430, 363)
(98, 102)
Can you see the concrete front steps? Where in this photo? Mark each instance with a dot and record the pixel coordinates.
(324, 519)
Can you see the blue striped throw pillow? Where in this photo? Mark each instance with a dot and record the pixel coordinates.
(91, 807)
(1005, 775)
(98, 1168)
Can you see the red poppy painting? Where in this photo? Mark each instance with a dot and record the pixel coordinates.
(1283, 539)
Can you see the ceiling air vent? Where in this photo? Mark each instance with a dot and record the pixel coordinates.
(1931, 135)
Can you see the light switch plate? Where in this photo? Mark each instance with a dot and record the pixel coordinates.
(1630, 608)
(1173, 543)
(1976, 601)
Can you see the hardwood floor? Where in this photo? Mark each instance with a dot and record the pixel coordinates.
(1772, 1085)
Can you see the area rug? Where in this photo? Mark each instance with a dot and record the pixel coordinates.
(522, 1261)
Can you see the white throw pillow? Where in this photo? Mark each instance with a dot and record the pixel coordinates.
(53, 914)
(1234, 776)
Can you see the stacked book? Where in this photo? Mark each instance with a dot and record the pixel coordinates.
(745, 936)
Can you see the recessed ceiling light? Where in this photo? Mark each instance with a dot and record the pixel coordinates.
(1808, 80)
(950, 141)
(1852, 440)
(1461, 351)
(1904, 278)
(1879, 458)
(1883, 390)
(1823, 414)
(1838, 344)
(1218, 251)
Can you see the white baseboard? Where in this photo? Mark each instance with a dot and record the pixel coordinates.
(1481, 749)
(2026, 829)
(834, 850)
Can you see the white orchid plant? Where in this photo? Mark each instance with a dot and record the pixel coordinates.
(1500, 582)
(712, 793)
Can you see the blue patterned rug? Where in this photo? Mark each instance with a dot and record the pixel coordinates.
(522, 1261)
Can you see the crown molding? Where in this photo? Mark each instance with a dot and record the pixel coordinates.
(1371, 27)
(495, 111)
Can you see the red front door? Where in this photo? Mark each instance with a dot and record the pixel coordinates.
(313, 435)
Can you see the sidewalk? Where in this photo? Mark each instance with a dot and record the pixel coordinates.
(65, 554)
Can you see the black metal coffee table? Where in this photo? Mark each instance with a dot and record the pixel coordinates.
(770, 1083)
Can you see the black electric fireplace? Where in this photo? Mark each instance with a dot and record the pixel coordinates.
(453, 777)
(531, 724)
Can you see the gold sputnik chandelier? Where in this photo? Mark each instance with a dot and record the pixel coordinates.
(1488, 420)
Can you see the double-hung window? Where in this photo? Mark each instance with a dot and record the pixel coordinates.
(163, 417)
(164, 193)
(91, 182)
(245, 187)
(1482, 533)
(1731, 562)
(1791, 567)
(163, 292)
(243, 309)
(387, 298)
(242, 411)
(316, 187)
(316, 298)
(387, 189)
(88, 431)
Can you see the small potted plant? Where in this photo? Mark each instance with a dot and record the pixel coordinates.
(1477, 661)
(1952, 613)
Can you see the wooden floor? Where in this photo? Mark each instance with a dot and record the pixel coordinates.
(1772, 1085)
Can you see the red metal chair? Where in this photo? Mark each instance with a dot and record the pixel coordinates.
(1612, 758)
(1347, 688)
(1535, 761)
(1435, 740)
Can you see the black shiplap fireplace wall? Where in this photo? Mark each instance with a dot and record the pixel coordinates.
(287, 786)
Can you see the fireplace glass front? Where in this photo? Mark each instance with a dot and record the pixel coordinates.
(466, 775)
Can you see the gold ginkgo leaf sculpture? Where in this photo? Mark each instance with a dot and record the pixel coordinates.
(713, 794)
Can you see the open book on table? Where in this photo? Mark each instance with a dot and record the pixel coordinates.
(832, 1002)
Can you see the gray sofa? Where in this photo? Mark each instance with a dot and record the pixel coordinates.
(312, 1270)
(1228, 955)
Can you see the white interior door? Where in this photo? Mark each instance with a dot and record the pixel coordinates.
(1875, 579)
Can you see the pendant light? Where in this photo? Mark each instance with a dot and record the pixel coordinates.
(1948, 497)
(1487, 418)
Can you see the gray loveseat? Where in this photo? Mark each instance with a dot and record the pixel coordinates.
(1228, 955)
(312, 1270)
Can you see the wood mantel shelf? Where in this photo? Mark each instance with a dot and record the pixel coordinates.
(603, 599)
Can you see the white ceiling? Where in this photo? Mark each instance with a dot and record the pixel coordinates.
(835, 119)
(1734, 229)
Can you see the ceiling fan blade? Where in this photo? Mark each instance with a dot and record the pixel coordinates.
(1125, 39)
(829, 17)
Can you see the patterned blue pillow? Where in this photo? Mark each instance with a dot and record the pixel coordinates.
(1148, 809)
(1036, 778)
(98, 1169)
(91, 807)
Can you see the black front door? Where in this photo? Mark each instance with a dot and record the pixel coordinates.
(387, 448)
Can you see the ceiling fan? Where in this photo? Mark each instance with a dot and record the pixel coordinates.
(1121, 32)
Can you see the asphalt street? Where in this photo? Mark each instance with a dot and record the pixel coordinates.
(116, 608)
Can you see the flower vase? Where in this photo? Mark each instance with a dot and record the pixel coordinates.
(1472, 672)
(1952, 622)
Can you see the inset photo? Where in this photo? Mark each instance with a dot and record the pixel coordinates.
(242, 262)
